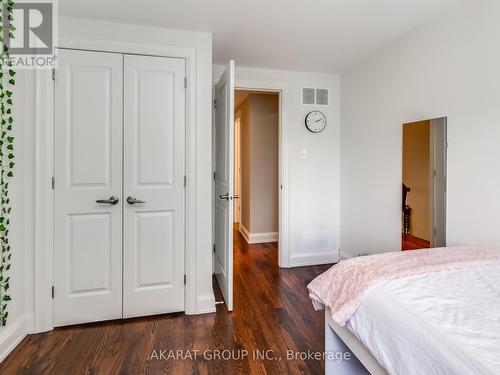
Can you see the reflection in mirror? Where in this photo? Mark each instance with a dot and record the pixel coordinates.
(424, 184)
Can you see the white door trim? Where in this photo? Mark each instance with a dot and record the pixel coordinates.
(44, 171)
(237, 171)
(284, 160)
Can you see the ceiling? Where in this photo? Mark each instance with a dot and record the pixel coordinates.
(304, 35)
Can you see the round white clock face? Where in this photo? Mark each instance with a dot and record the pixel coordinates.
(315, 121)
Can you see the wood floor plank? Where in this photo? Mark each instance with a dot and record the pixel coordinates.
(272, 312)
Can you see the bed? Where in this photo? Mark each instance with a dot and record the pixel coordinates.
(446, 321)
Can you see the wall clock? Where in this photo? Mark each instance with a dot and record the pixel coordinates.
(315, 121)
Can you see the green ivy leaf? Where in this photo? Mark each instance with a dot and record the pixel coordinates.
(7, 163)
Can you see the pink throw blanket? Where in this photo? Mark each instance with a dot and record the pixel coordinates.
(343, 286)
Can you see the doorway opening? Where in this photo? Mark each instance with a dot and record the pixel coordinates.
(256, 165)
(424, 185)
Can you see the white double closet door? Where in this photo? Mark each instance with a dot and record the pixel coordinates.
(119, 186)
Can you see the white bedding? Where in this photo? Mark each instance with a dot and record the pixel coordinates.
(440, 323)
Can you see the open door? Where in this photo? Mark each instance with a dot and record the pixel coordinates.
(438, 151)
(224, 177)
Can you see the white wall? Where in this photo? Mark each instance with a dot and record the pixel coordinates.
(313, 185)
(20, 320)
(24, 279)
(449, 67)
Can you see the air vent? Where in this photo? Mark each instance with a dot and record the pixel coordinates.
(322, 96)
(308, 96)
(314, 96)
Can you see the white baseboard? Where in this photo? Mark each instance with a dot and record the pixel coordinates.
(345, 255)
(244, 233)
(13, 334)
(313, 259)
(255, 238)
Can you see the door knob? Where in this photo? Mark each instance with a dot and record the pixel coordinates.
(133, 200)
(112, 200)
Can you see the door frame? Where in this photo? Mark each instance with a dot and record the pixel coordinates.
(284, 159)
(44, 172)
(438, 142)
(237, 136)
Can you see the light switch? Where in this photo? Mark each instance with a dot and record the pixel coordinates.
(303, 154)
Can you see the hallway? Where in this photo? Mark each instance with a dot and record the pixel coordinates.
(272, 314)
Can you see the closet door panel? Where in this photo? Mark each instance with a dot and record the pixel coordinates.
(154, 169)
(88, 168)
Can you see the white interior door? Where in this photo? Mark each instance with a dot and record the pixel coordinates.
(88, 168)
(224, 179)
(154, 174)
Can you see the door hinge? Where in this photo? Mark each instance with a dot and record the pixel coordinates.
(185, 279)
(52, 292)
(214, 248)
(185, 82)
(215, 103)
(53, 74)
(215, 176)
(53, 183)
(185, 181)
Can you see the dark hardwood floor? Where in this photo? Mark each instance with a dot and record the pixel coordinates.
(272, 314)
(414, 243)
